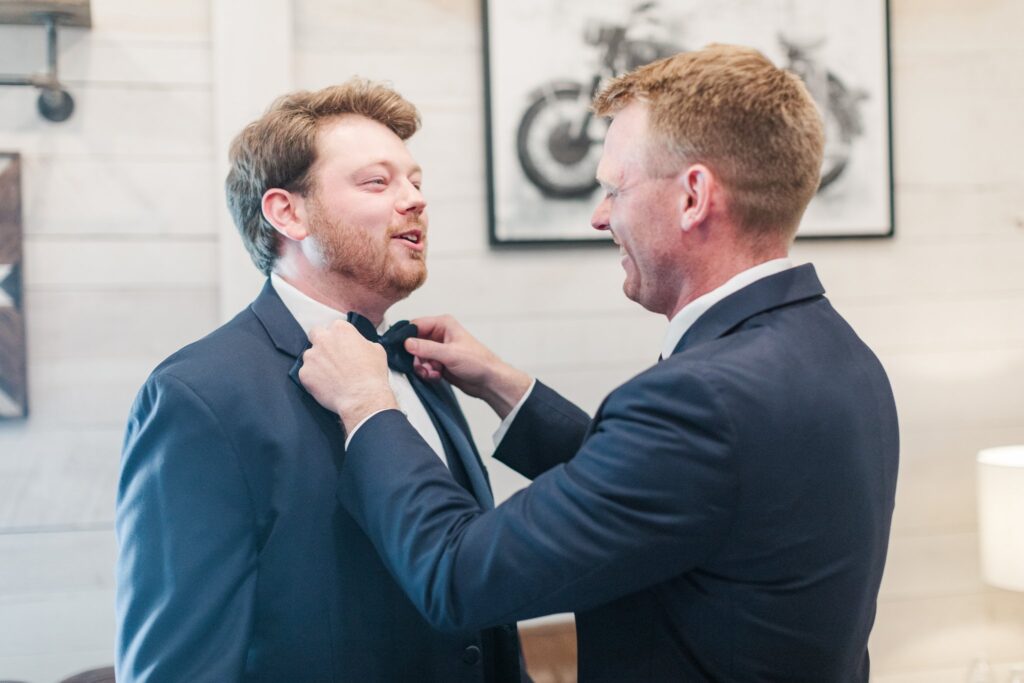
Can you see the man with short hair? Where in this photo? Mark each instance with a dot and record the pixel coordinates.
(725, 515)
(235, 563)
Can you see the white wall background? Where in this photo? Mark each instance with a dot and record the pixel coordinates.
(123, 221)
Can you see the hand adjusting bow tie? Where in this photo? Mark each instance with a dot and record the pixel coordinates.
(393, 340)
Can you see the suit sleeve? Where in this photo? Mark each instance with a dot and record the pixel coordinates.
(548, 431)
(186, 558)
(648, 496)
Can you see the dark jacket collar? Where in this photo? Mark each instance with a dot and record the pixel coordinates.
(781, 289)
(286, 333)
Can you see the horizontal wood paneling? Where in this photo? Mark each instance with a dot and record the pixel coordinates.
(143, 123)
(115, 196)
(117, 324)
(425, 26)
(58, 477)
(886, 271)
(933, 565)
(957, 388)
(453, 74)
(99, 57)
(54, 572)
(159, 20)
(46, 639)
(955, 26)
(188, 262)
(957, 210)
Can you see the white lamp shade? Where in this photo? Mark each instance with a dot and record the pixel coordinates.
(1001, 516)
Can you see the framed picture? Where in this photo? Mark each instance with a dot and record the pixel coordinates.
(13, 380)
(545, 59)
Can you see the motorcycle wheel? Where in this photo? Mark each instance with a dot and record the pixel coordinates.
(559, 164)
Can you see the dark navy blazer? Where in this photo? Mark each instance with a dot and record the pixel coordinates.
(724, 517)
(236, 562)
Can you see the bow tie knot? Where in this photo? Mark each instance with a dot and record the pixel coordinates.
(393, 340)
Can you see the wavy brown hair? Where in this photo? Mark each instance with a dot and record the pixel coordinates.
(279, 148)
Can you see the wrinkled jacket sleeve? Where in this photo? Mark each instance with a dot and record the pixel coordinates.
(649, 495)
(186, 558)
(548, 431)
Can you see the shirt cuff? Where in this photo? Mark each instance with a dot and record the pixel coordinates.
(507, 422)
(348, 439)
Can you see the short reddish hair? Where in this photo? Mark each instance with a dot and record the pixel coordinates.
(752, 123)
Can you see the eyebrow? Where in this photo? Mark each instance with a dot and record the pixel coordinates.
(606, 184)
(388, 164)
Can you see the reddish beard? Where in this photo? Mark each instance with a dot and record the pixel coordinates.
(366, 258)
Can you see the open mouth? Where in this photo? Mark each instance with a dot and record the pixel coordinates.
(411, 236)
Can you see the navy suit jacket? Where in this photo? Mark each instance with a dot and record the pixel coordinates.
(235, 561)
(724, 517)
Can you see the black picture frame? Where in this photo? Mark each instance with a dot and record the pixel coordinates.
(538, 82)
(13, 371)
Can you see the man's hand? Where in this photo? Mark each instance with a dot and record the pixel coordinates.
(346, 373)
(446, 349)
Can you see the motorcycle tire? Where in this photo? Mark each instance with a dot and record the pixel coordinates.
(558, 165)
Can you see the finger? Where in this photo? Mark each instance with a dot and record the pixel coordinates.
(435, 327)
(427, 369)
(427, 373)
(427, 350)
(341, 325)
(307, 377)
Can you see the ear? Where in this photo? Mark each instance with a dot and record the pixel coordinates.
(286, 211)
(696, 184)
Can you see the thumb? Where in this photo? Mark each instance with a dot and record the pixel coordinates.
(425, 349)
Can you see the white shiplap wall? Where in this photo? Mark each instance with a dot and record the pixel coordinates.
(121, 219)
(945, 310)
(120, 269)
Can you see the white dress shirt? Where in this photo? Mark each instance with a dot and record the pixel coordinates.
(682, 321)
(310, 313)
(688, 314)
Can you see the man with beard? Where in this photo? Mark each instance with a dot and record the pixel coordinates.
(235, 562)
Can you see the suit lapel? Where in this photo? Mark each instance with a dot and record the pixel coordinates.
(282, 328)
(457, 437)
(289, 338)
(782, 289)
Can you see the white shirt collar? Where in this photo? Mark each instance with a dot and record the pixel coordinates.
(308, 312)
(689, 313)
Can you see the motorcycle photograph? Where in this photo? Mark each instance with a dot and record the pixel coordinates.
(558, 139)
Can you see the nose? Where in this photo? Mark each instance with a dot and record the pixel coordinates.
(601, 218)
(411, 200)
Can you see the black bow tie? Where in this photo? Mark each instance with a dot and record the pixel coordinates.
(393, 340)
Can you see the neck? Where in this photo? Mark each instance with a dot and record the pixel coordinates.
(336, 291)
(708, 276)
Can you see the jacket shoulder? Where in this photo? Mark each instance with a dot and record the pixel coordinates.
(239, 349)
